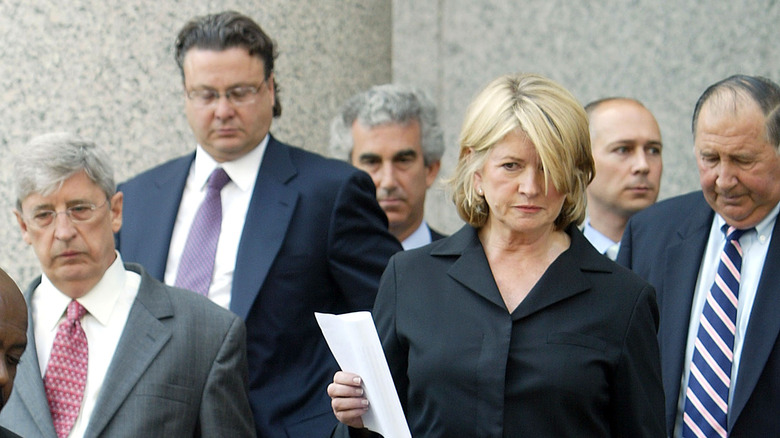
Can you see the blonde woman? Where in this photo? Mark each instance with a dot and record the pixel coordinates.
(515, 325)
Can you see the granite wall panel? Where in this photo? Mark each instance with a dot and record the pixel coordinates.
(104, 69)
(662, 52)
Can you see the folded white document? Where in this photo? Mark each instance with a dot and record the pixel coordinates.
(354, 342)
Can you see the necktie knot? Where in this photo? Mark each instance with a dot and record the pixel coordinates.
(733, 233)
(218, 179)
(75, 311)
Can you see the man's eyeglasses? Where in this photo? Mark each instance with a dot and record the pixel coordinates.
(82, 212)
(241, 95)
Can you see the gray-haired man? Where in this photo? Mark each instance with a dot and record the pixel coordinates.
(392, 132)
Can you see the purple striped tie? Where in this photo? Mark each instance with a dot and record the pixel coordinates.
(707, 395)
(196, 266)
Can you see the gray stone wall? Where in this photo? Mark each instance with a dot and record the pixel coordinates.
(663, 52)
(104, 69)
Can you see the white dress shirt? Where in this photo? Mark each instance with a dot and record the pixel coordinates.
(235, 197)
(754, 249)
(420, 237)
(599, 241)
(108, 305)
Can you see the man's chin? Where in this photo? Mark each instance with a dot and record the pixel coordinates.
(397, 220)
(637, 205)
(72, 272)
(396, 211)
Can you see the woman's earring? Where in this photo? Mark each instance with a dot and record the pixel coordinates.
(479, 191)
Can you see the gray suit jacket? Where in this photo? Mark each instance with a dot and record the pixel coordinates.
(179, 370)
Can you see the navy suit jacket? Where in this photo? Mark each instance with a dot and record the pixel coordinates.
(314, 240)
(435, 235)
(665, 244)
(179, 369)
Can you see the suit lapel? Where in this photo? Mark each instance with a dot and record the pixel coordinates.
(28, 385)
(166, 197)
(763, 329)
(163, 196)
(471, 269)
(682, 260)
(563, 279)
(142, 339)
(268, 217)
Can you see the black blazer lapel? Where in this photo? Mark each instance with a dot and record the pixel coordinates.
(473, 271)
(564, 278)
(471, 268)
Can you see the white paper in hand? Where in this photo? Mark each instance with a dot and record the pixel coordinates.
(354, 342)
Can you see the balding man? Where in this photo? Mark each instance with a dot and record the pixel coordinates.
(712, 256)
(626, 145)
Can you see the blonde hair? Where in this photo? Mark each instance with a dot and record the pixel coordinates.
(554, 122)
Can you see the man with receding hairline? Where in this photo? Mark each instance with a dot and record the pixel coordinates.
(626, 146)
(712, 256)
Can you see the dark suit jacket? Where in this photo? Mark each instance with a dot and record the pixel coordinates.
(577, 358)
(435, 235)
(5, 433)
(314, 239)
(665, 244)
(179, 370)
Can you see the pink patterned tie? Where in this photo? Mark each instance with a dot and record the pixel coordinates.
(66, 374)
(196, 266)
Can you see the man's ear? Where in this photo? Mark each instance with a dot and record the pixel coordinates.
(116, 211)
(432, 171)
(22, 226)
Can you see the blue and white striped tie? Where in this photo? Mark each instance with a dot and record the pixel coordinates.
(706, 398)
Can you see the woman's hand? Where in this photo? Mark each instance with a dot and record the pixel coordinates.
(347, 399)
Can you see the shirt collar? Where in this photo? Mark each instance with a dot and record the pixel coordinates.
(763, 228)
(598, 240)
(420, 237)
(99, 302)
(242, 171)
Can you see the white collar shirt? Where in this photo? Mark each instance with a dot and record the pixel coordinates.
(754, 249)
(108, 305)
(599, 241)
(420, 237)
(235, 196)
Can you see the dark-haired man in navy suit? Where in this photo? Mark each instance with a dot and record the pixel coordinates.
(731, 370)
(299, 233)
